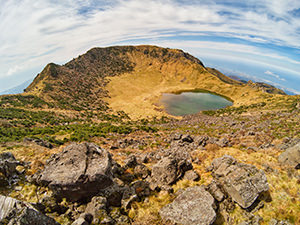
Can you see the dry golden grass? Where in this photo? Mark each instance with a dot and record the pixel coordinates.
(138, 93)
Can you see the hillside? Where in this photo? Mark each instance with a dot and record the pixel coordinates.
(89, 143)
(114, 76)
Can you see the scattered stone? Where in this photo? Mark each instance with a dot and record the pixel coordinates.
(13, 211)
(117, 170)
(80, 221)
(141, 188)
(254, 220)
(97, 207)
(141, 171)
(243, 182)
(215, 191)
(191, 175)
(279, 222)
(195, 206)
(201, 140)
(291, 156)
(167, 188)
(165, 171)
(97, 203)
(227, 205)
(39, 142)
(8, 168)
(50, 204)
(187, 138)
(118, 216)
(143, 158)
(79, 172)
(113, 194)
(136, 191)
(177, 136)
(130, 162)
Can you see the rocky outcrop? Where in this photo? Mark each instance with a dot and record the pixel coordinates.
(17, 212)
(8, 165)
(242, 182)
(80, 171)
(195, 206)
(39, 141)
(165, 171)
(98, 209)
(169, 169)
(291, 156)
(191, 175)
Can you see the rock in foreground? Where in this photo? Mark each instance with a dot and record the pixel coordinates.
(243, 182)
(8, 168)
(291, 157)
(13, 211)
(78, 172)
(195, 206)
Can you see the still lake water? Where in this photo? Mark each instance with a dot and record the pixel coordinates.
(187, 103)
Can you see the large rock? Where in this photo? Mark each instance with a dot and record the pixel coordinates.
(165, 171)
(169, 169)
(195, 206)
(291, 156)
(243, 182)
(98, 209)
(78, 172)
(8, 165)
(14, 212)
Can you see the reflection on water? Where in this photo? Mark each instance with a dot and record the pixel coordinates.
(187, 103)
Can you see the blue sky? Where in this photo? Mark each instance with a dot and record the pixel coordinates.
(256, 39)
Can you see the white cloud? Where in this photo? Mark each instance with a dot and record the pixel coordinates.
(34, 33)
(14, 70)
(268, 72)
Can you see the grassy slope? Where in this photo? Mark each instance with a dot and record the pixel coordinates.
(138, 92)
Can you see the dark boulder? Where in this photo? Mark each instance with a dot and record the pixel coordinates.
(187, 138)
(195, 206)
(79, 172)
(191, 175)
(291, 156)
(243, 182)
(8, 167)
(39, 142)
(141, 171)
(165, 171)
(170, 169)
(136, 191)
(130, 162)
(98, 209)
(214, 189)
(17, 212)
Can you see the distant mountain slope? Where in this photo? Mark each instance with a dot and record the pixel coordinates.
(223, 77)
(132, 79)
(18, 89)
(267, 87)
(239, 81)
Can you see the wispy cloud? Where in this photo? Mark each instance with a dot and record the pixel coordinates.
(274, 75)
(34, 33)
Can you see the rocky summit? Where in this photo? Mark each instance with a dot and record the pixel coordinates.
(89, 142)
